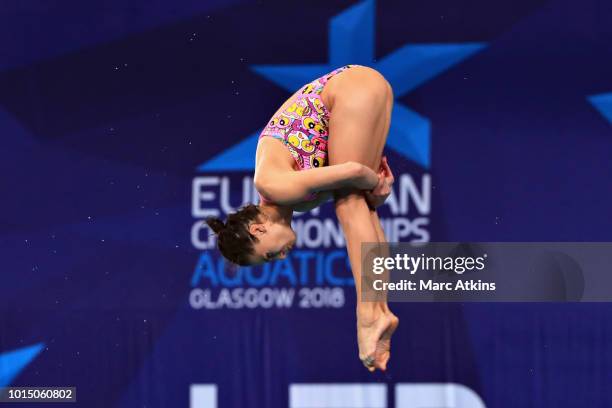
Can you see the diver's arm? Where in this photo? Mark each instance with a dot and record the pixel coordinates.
(290, 187)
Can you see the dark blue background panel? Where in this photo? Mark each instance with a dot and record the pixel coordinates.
(123, 124)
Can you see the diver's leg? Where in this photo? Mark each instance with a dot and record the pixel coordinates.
(358, 127)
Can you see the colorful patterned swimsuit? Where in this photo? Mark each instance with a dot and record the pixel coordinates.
(303, 125)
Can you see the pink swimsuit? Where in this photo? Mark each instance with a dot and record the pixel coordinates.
(303, 125)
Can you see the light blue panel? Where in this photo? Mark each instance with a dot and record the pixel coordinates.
(409, 135)
(240, 157)
(291, 77)
(603, 103)
(351, 41)
(351, 35)
(412, 65)
(13, 362)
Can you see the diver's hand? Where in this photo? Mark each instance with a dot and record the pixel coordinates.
(364, 178)
(378, 195)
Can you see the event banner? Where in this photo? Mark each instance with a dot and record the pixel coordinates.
(484, 272)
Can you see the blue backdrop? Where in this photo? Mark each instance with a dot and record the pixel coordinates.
(123, 124)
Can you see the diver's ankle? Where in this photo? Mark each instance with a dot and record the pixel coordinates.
(368, 311)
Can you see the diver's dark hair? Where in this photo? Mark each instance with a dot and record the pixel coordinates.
(233, 237)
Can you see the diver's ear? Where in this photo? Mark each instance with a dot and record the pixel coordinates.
(257, 229)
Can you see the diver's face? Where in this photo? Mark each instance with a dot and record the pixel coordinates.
(275, 241)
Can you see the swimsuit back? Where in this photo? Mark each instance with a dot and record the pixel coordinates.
(303, 125)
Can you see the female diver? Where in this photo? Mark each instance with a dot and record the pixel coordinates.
(325, 140)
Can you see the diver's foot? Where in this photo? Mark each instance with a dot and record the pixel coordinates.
(375, 326)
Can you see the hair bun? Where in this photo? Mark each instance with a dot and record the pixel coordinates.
(215, 224)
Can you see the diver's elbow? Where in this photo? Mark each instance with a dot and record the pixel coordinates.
(264, 186)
